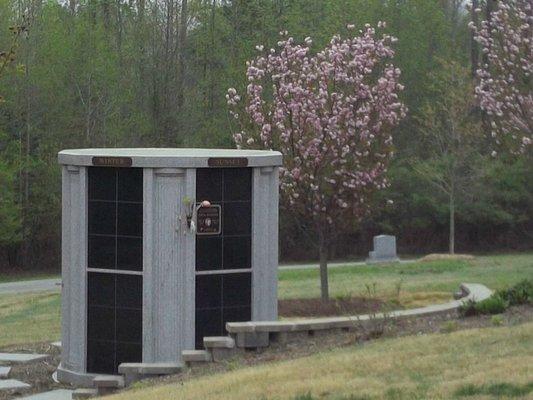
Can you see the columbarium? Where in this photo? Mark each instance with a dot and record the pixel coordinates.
(161, 247)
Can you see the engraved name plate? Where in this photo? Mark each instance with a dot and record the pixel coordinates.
(209, 220)
(112, 161)
(227, 162)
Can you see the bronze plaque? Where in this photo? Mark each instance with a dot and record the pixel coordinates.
(208, 220)
(227, 162)
(112, 161)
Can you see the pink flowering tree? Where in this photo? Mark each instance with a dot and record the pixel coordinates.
(330, 114)
(504, 88)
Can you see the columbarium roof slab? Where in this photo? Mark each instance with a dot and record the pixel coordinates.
(171, 157)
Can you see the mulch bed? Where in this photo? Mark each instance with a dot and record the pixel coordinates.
(318, 308)
(39, 374)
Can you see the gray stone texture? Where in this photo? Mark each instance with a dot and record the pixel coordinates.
(59, 394)
(168, 249)
(10, 384)
(21, 358)
(384, 250)
(4, 372)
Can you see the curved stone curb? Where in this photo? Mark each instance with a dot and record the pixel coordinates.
(472, 291)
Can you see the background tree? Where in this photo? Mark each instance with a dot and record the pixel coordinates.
(453, 143)
(331, 116)
(504, 80)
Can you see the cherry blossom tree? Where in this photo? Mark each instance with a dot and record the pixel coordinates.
(504, 88)
(330, 114)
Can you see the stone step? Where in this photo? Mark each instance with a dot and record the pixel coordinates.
(107, 384)
(21, 358)
(196, 356)
(4, 372)
(84, 393)
(59, 394)
(108, 381)
(149, 368)
(219, 342)
(11, 384)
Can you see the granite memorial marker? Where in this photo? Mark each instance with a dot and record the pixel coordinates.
(161, 247)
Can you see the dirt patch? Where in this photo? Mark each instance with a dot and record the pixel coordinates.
(444, 256)
(318, 308)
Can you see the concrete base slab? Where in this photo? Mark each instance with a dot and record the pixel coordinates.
(21, 358)
(9, 384)
(60, 394)
(57, 344)
(4, 372)
(77, 379)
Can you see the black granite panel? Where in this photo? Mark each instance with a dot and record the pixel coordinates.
(101, 289)
(209, 184)
(208, 253)
(237, 184)
(237, 252)
(101, 252)
(237, 289)
(129, 253)
(102, 183)
(208, 291)
(130, 184)
(129, 291)
(102, 217)
(101, 357)
(208, 323)
(237, 218)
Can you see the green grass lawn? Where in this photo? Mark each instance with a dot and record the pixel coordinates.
(26, 276)
(473, 364)
(418, 283)
(28, 318)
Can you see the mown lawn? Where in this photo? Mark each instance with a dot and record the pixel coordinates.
(472, 364)
(26, 276)
(412, 285)
(29, 318)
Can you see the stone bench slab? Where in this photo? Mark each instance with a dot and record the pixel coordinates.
(149, 368)
(196, 356)
(221, 342)
(474, 291)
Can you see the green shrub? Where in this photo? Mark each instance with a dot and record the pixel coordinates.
(521, 293)
(493, 305)
(496, 320)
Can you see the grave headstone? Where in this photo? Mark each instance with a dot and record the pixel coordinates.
(384, 250)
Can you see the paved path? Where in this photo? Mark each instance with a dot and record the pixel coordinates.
(330, 265)
(48, 285)
(41, 285)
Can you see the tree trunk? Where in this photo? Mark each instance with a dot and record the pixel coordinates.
(182, 40)
(452, 222)
(323, 254)
(474, 49)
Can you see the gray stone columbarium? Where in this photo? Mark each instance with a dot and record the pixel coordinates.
(160, 248)
(384, 250)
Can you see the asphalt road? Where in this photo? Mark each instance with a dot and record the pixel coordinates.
(49, 285)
